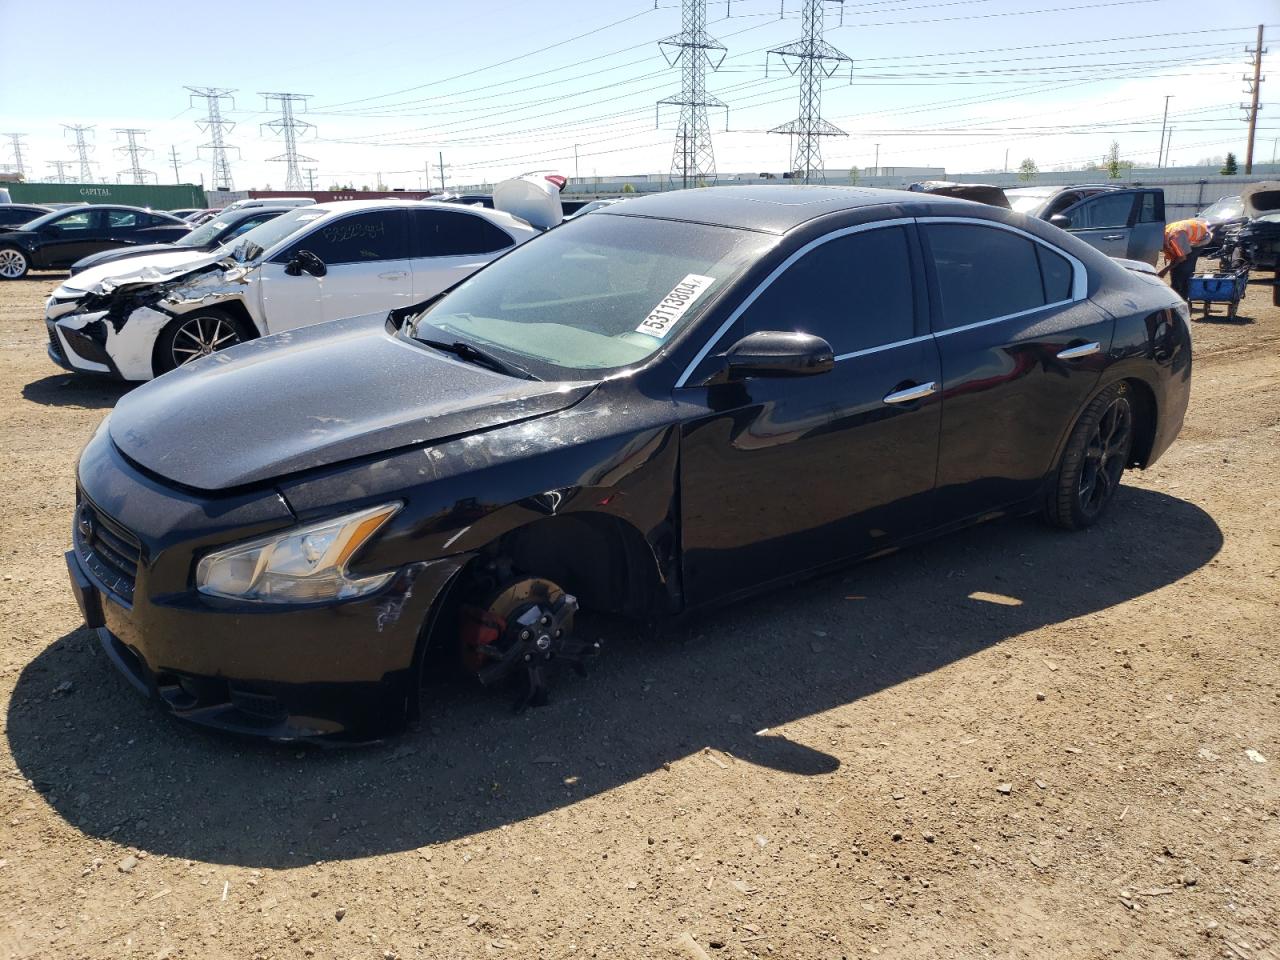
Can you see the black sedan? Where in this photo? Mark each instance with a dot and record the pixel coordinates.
(207, 236)
(14, 215)
(60, 238)
(670, 404)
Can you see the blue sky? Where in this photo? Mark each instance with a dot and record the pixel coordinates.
(502, 87)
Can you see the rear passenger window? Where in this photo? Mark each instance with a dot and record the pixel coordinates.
(983, 273)
(855, 292)
(443, 233)
(1055, 273)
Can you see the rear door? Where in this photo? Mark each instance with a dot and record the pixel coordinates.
(1105, 220)
(782, 475)
(448, 246)
(1021, 347)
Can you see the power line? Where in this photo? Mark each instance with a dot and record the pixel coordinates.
(82, 149)
(693, 159)
(216, 127)
(290, 128)
(134, 150)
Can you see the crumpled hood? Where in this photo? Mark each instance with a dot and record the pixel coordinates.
(314, 397)
(153, 268)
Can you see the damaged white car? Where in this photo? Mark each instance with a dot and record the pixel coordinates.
(317, 263)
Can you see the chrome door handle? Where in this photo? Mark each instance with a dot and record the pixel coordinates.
(1083, 350)
(1113, 236)
(393, 275)
(907, 394)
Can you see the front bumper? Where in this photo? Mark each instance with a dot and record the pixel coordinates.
(346, 669)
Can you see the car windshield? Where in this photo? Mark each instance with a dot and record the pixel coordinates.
(599, 293)
(1026, 201)
(252, 245)
(1228, 208)
(202, 234)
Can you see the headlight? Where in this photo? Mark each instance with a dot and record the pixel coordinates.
(301, 565)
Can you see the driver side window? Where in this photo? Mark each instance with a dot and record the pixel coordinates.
(370, 236)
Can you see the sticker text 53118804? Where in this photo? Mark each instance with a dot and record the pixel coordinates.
(674, 305)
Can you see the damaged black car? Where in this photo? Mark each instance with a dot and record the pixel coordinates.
(668, 405)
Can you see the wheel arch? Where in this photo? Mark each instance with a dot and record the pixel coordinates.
(234, 309)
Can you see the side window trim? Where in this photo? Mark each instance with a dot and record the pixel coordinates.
(714, 339)
(1079, 276)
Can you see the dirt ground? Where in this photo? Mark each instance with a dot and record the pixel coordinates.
(1014, 742)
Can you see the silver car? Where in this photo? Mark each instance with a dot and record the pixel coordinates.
(1119, 221)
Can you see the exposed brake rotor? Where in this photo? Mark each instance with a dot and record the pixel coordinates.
(515, 632)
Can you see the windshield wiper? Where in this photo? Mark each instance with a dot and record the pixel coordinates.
(474, 354)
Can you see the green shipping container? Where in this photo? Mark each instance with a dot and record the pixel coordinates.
(157, 197)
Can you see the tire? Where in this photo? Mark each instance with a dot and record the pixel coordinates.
(1097, 452)
(14, 264)
(196, 334)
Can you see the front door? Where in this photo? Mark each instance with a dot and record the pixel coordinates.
(1021, 347)
(1104, 221)
(367, 271)
(76, 235)
(779, 476)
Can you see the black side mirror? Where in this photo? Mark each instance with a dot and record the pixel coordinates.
(1061, 222)
(304, 261)
(778, 353)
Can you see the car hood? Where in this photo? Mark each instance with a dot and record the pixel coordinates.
(151, 268)
(1261, 198)
(132, 253)
(315, 397)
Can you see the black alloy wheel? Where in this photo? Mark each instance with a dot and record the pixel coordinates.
(1094, 460)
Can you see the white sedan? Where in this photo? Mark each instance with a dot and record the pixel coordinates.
(323, 262)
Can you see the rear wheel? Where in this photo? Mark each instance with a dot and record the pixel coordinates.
(14, 264)
(1095, 457)
(196, 335)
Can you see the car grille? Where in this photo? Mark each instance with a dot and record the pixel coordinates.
(109, 551)
(56, 345)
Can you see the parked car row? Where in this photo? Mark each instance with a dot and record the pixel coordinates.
(662, 405)
(61, 237)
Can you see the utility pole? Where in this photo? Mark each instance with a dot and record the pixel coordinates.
(426, 170)
(1006, 159)
(814, 60)
(1163, 125)
(61, 167)
(82, 149)
(311, 178)
(575, 161)
(215, 126)
(290, 129)
(173, 155)
(441, 166)
(133, 150)
(877, 173)
(693, 159)
(1168, 144)
(16, 150)
(1254, 86)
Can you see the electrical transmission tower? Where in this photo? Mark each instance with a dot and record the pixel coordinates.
(134, 150)
(16, 150)
(814, 60)
(693, 160)
(291, 129)
(61, 167)
(82, 149)
(215, 126)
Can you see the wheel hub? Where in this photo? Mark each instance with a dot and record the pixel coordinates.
(517, 632)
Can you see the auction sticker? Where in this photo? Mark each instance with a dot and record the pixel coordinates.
(674, 305)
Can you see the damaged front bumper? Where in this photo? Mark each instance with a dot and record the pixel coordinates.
(334, 669)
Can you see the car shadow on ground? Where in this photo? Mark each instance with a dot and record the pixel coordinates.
(115, 768)
(76, 390)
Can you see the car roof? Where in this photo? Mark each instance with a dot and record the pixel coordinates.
(768, 208)
(393, 203)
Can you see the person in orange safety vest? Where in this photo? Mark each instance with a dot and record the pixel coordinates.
(1181, 240)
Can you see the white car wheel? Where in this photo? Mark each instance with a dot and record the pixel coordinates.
(13, 264)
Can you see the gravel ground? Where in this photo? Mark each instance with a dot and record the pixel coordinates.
(1013, 742)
